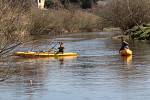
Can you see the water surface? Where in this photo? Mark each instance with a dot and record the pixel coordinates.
(98, 73)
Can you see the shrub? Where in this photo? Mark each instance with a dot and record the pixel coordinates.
(58, 21)
(126, 13)
(12, 23)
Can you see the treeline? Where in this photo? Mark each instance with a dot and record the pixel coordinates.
(132, 16)
(126, 13)
(67, 3)
(21, 18)
(62, 17)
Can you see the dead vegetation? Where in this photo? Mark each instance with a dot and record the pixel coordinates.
(12, 23)
(126, 13)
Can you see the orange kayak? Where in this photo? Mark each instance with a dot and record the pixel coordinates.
(125, 52)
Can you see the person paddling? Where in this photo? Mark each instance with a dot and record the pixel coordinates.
(61, 48)
(125, 45)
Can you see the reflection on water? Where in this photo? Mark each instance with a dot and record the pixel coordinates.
(59, 58)
(127, 59)
(98, 73)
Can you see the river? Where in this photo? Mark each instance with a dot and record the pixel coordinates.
(98, 73)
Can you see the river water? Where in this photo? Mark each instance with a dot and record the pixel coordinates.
(98, 73)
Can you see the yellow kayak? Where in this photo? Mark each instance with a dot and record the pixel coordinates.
(43, 54)
(125, 52)
(127, 59)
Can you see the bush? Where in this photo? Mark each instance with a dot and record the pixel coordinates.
(126, 13)
(58, 21)
(13, 22)
(142, 33)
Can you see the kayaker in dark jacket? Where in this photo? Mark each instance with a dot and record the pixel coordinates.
(61, 48)
(125, 45)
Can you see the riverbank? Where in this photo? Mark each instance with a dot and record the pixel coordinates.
(140, 32)
(19, 23)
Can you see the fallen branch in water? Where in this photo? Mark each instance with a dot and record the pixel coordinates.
(8, 49)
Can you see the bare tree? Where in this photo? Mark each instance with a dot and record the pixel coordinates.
(13, 22)
(126, 13)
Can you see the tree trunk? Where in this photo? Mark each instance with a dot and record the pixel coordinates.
(87, 4)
